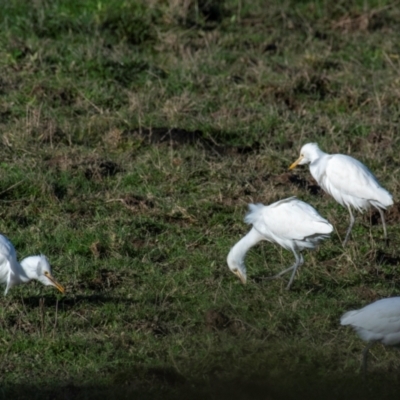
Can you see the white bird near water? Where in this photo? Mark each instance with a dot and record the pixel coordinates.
(13, 273)
(347, 180)
(376, 322)
(291, 223)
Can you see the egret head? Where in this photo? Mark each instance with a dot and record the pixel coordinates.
(38, 268)
(237, 267)
(308, 153)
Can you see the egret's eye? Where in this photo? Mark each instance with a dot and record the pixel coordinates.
(46, 273)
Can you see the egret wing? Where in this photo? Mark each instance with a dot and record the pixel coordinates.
(346, 176)
(291, 219)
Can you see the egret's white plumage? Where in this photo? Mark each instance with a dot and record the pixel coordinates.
(13, 273)
(291, 223)
(376, 322)
(347, 180)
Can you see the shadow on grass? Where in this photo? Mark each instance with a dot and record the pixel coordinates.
(170, 385)
(176, 137)
(33, 302)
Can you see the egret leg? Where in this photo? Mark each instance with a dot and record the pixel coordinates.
(383, 222)
(294, 266)
(352, 219)
(365, 358)
(282, 272)
(299, 261)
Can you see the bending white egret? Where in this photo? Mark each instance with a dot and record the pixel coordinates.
(347, 180)
(13, 273)
(291, 223)
(376, 322)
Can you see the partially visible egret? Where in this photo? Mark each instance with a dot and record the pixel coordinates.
(347, 180)
(291, 223)
(376, 322)
(13, 273)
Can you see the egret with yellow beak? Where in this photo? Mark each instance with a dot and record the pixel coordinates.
(291, 223)
(13, 273)
(347, 180)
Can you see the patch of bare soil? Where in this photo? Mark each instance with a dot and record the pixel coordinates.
(104, 280)
(377, 138)
(217, 321)
(392, 215)
(352, 23)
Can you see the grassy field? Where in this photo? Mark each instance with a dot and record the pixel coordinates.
(133, 136)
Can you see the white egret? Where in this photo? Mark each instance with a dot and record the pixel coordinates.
(376, 322)
(13, 273)
(291, 223)
(347, 180)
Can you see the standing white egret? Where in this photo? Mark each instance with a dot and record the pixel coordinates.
(376, 322)
(347, 180)
(13, 273)
(291, 223)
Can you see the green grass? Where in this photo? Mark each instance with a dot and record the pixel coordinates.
(137, 227)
